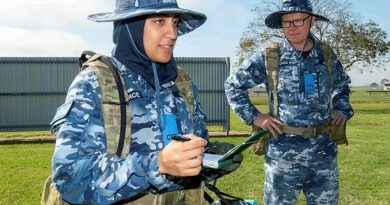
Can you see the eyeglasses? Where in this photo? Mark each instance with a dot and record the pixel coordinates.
(296, 22)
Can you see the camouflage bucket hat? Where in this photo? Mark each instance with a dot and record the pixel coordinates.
(125, 9)
(291, 6)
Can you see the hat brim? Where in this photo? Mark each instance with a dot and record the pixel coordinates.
(190, 20)
(274, 19)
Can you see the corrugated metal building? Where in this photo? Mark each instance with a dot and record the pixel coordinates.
(32, 88)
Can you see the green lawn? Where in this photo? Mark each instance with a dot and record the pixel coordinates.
(364, 164)
(24, 134)
(24, 167)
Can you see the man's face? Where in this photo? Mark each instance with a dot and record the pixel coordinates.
(160, 34)
(297, 33)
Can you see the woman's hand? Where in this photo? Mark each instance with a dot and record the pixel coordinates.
(182, 158)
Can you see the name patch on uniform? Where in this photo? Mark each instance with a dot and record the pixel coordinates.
(309, 82)
(134, 95)
(170, 127)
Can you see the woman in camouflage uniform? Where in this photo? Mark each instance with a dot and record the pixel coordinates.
(145, 33)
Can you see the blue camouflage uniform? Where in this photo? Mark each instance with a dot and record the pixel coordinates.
(82, 170)
(295, 163)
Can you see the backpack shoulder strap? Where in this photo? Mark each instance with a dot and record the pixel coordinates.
(327, 55)
(116, 113)
(116, 124)
(272, 70)
(327, 50)
(184, 83)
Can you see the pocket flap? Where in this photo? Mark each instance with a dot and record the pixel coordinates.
(60, 115)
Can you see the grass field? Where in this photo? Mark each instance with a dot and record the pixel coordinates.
(24, 134)
(364, 164)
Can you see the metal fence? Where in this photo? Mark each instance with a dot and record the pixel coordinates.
(31, 89)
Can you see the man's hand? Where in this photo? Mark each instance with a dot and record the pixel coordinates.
(267, 122)
(182, 158)
(338, 118)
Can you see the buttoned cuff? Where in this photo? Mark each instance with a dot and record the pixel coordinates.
(158, 180)
(252, 116)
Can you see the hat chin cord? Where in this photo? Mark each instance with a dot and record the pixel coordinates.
(160, 106)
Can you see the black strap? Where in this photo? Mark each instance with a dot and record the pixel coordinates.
(122, 102)
(85, 55)
(221, 195)
(208, 197)
(83, 58)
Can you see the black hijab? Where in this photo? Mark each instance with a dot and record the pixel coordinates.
(130, 51)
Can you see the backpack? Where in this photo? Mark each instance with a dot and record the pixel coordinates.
(337, 133)
(118, 127)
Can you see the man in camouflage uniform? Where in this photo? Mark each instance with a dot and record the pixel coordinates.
(305, 89)
(145, 33)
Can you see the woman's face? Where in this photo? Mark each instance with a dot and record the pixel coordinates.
(160, 34)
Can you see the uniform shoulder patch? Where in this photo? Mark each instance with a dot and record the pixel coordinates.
(61, 113)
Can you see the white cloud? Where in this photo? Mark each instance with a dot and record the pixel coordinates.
(201, 4)
(220, 35)
(49, 13)
(49, 28)
(66, 21)
(50, 7)
(60, 28)
(365, 79)
(22, 42)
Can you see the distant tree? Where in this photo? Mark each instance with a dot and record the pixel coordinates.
(353, 41)
(383, 81)
(374, 85)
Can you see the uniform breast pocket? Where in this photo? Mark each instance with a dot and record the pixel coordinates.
(144, 125)
(288, 84)
(143, 108)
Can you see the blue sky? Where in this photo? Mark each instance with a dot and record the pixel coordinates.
(59, 28)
